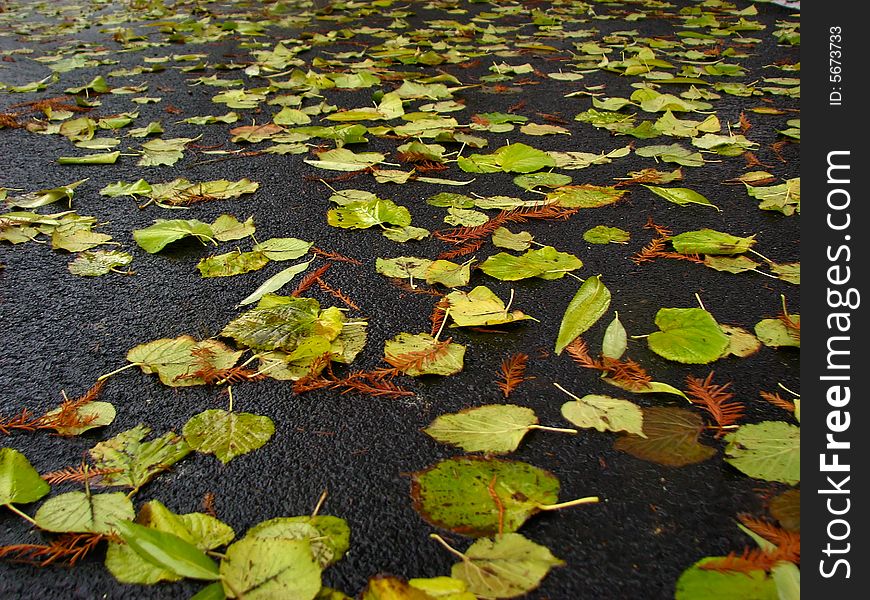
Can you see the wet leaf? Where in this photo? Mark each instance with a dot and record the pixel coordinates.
(448, 274)
(20, 483)
(769, 450)
(775, 333)
(278, 327)
(155, 237)
(604, 413)
(712, 242)
(342, 159)
(787, 577)
(602, 234)
(681, 196)
(227, 228)
(504, 238)
(177, 360)
(283, 248)
(362, 214)
(786, 508)
(587, 306)
(698, 584)
(585, 196)
(507, 566)
(84, 512)
(259, 569)
(671, 438)
(481, 307)
(329, 536)
(468, 494)
(136, 462)
(465, 217)
(121, 188)
(687, 335)
(546, 263)
(227, 434)
(615, 340)
(513, 158)
(495, 428)
(443, 588)
(790, 272)
(45, 197)
(275, 282)
(168, 551)
(163, 151)
(784, 198)
(731, 264)
(91, 414)
(422, 354)
(404, 267)
(232, 263)
(385, 587)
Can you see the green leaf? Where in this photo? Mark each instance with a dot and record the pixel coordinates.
(687, 335)
(262, 569)
(83, 512)
(105, 158)
(405, 234)
(422, 354)
(601, 234)
(275, 282)
(329, 536)
(697, 583)
(342, 159)
(775, 333)
(213, 591)
(227, 228)
(671, 438)
(710, 241)
(513, 158)
(768, 450)
(604, 413)
(464, 217)
(546, 263)
(45, 197)
(681, 196)
(155, 237)
(404, 267)
(673, 153)
(168, 551)
(784, 198)
(278, 327)
(20, 483)
(495, 428)
(536, 180)
(232, 263)
(458, 494)
(787, 577)
(283, 248)
(731, 264)
(91, 414)
(504, 238)
(790, 272)
(134, 462)
(386, 587)
(506, 566)
(177, 360)
(615, 340)
(481, 307)
(227, 434)
(442, 588)
(362, 214)
(448, 274)
(99, 262)
(585, 196)
(586, 307)
(121, 188)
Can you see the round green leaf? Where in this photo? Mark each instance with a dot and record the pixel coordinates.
(227, 434)
(605, 414)
(264, 569)
(769, 450)
(688, 335)
(329, 536)
(458, 494)
(20, 483)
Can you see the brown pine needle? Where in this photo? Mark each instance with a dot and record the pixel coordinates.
(625, 372)
(335, 256)
(337, 293)
(512, 373)
(418, 359)
(788, 548)
(464, 250)
(67, 549)
(78, 474)
(66, 417)
(778, 400)
(439, 313)
(418, 289)
(716, 400)
(208, 504)
(310, 279)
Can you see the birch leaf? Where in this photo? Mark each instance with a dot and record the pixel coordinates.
(687, 335)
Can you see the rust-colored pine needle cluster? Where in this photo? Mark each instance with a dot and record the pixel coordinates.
(626, 372)
(512, 372)
(656, 248)
(788, 548)
(335, 256)
(372, 383)
(439, 313)
(778, 400)
(80, 474)
(67, 549)
(465, 235)
(716, 400)
(66, 417)
(416, 360)
(310, 279)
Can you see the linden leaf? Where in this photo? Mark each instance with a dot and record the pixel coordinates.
(768, 450)
(329, 536)
(20, 483)
(134, 462)
(227, 434)
(604, 413)
(496, 428)
(671, 438)
(84, 512)
(688, 335)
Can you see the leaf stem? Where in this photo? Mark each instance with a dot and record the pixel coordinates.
(21, 514)
(443, 323)
(789, 391)
(319, 504)
(556, 429)
(116, 371)
(570, 503)
(701, 304)
(566, 391)
(230, 392)
(447, 546)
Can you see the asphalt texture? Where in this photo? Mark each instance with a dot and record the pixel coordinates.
(60, 332)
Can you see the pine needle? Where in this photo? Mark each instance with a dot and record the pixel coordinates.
(512, 372)
(716, 400)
